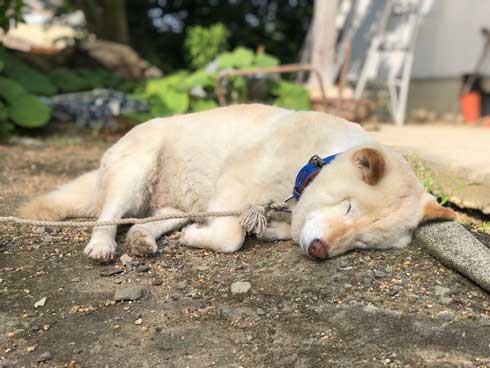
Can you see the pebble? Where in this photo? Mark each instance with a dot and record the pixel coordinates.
(143, 268)
(7, 364)
(202, 268)
(111, 271)
(388, 269)
(260, 311)
(138, 322)
(367, 281)
(379, 274)
(129, 293)
(127, 261)
(77, 351)
(47, 239)
(44, 357)
(346, 268)
(40, 303)
(181, 285)
(441, 291)
(39, 230)
(446, 316)
(157, 282)
(394, 290)
(35, 328)
(240, 287)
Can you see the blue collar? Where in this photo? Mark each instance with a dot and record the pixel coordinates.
(308, 173)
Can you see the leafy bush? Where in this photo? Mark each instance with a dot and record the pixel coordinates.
(204, 44)
(17, 106)
(33, 81)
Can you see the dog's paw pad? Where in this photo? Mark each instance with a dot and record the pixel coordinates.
(141, 243)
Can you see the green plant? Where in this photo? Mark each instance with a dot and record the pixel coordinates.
(11, 12)
(430, 184)
(202, 44)
(485, 226)
(32, 80)
(291, 95)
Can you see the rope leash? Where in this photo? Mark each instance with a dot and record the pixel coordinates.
(253, 219)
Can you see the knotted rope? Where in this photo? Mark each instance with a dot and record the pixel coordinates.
(253, 219)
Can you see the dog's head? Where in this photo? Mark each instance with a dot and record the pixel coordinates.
(368, 197)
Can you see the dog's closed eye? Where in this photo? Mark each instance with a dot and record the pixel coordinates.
(349, 207)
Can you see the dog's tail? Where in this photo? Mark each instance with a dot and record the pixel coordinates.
(75, 199)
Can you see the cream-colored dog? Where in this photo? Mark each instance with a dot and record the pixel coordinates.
(233, 157)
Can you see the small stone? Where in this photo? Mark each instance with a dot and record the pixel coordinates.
(157, 282)
(446, 300)
(129, 293)
(111, 271)
(47, 239)
(202, 268)
(240, 287)
(77, 351)
(39, 230)
(30, 349)
(286, 309)
(347, 286)
(388, 269)
(40, 303)
(260, 311)
(76, 279)
(367, 281)
(126, 261)
(181, 285)
(138, 322)
(441, 291)
(143, 268)
(446, 316)
(379, 274)
(35, 328)
(394, 290)
(44, 357)
(7, 364)
(346, 268)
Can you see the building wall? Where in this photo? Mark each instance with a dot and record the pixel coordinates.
(436, 95)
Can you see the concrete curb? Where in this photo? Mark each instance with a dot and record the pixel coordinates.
(457, 248)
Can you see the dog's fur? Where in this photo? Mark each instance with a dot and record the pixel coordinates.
(232, 157)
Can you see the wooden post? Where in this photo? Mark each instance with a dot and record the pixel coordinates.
(324, 41)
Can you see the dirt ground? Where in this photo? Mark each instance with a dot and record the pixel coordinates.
(365, 309)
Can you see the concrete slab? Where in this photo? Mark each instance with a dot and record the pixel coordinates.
(458, 158)
(457, 248)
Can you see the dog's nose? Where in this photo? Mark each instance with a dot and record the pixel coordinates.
(318, 249)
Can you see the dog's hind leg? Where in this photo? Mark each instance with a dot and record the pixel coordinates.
(121, 189)
(141, 239)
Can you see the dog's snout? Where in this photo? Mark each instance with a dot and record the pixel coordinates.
(318, 249)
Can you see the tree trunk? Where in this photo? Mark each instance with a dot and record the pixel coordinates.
(324, 40)
(107, 19)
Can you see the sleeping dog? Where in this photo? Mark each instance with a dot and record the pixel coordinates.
(355, 193)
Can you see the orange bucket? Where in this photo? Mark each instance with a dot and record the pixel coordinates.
(470, 104)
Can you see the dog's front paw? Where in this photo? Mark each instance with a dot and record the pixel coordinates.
(99, 250)
(140, 242)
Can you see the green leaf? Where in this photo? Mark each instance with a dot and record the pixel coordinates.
(203, 104)
(2, 65)
(201, 78)
(28, 112)
(31, 79)
(176, 101)
(10, 89)
(291, 96)
(6, 129)
(155, 86)
(240, 58)
(265, 61)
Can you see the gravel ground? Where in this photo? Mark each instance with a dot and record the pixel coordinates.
(375, 309)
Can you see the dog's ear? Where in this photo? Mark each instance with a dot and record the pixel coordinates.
(371, 163)
(431, 210)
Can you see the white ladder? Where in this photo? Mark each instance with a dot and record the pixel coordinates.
(392, 47)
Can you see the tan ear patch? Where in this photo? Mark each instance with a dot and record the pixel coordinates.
(432, 210)
(372, 164)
